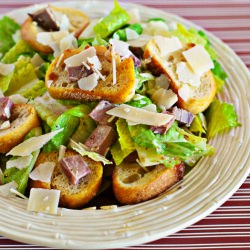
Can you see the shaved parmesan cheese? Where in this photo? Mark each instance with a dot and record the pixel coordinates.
(121, 48)
(162, 81)
(47, 38)
(68, 42)
(156, 28)
(64, 22)
(4, 125)
(18, 99)
(62, 150)
(17, 193)
(140, 41)
(167, 45)
(150, 107)
(6, 69)
(58, 62)
(77, 59)
(44, 200)
(88, 31)
(186, 75)
(131, 34)
(37, 60)
(5, 189)
(95, 62)
(20, 162)
(185, 92)
(139, 116)
(34, 143)
(198, 59)
(89, 82)
(113, 66)
(43, 172)
(163, 98)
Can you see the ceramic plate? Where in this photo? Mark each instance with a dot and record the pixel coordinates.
(204, 189)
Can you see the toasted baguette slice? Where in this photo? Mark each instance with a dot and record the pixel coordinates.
(23, 119)
(78, 22)
(132, 184)
(72, 196)
(122, 91)
(201, 96)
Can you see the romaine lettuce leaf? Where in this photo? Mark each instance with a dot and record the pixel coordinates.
(23, 75)
(116, 19)
(21, 177)
(38, 89)
(18, 49)
(220, 116)
(125, 145)
(8, 28)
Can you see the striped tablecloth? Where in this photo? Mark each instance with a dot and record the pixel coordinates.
(229, 226)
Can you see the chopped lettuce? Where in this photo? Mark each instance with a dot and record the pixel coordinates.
(176, 143)
(8, 28)
(122, 35)
(197, 126)
(219, 75)
(125, 145)
(20, 48)
(98, 41)
(69, 121)
(5, 81)
(37, 89)
(21, 176)
(116, 19)
(139, 101)
(156, 19)
(220, 116)
(141, 78)
(24, 74)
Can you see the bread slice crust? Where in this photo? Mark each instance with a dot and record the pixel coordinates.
(71, 196)
(122, 91)
(23, 118)
(132, 184)
(201, 97)
(77, 18)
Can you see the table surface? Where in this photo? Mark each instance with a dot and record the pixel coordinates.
(229, 226)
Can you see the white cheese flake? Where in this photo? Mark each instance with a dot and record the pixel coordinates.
(36, 60)
(20, 162)
(135, 16)
(131, 34)
(89, 82)
(5, 189)
(78, 59)
(32, 144)
(18, 99)
(43, 172)
(167, 45)
(121, 48)
(113, 66)
(94, 60)
(162, 81)
(44, 200)
(156, 28)
(4, 125)
(186, 75)
(59, 61)
(140, 116)
(198, 59)
(163, 98)
(6, 69)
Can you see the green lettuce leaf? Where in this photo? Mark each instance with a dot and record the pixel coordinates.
(121, 33)
(175, 143)
(125, 145)
(219, 75)
(18, 49)
(139, 101)
(116, 19)
(38, 89)
(21, 177)
(220, 117)
(8, 28)
(24, 76)
(5, 81)
(197, 126)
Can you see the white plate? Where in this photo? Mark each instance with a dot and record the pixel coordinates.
(203, 190)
